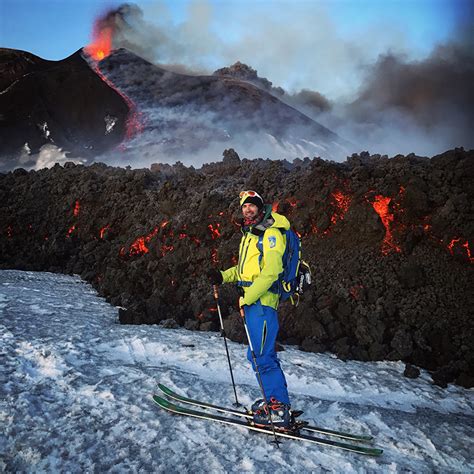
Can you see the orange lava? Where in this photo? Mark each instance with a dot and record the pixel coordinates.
(101, 41)
(103, 230)
(215, 232)
(381, 206)
(166, 249)
(341, 202)
(77, 208)
(214, 256)
(139, 245)
(459, 242)
(71, 230)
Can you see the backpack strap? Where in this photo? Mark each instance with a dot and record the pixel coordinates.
(275, 288)
(260, 249)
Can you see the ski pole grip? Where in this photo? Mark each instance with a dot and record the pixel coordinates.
(216, 293)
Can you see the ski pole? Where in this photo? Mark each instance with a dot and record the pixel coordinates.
(216, 297)
(259, 378)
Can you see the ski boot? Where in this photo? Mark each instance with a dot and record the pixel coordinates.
(279, 412)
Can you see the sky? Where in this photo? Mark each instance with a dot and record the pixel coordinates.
(54, 29)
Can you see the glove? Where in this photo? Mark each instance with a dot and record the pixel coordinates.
(241, 307)
(215, 276)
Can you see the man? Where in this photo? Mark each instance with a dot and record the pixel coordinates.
(261, 252)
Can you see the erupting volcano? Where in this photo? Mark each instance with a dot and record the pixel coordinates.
(99, 49)
(101, 41)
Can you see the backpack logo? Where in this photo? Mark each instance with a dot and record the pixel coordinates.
(272, 241)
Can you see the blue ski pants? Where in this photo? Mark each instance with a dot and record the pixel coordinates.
(262, 323)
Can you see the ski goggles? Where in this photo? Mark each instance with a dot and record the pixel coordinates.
(245, 194)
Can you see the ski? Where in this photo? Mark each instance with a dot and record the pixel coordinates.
(315, 429)
(180, 410)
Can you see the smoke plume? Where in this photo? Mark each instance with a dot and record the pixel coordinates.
(374, 96)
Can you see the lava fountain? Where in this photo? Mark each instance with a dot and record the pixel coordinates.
(101, 47)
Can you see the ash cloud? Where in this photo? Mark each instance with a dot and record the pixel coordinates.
(413, 106)
(391, 105)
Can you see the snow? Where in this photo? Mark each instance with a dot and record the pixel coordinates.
(76, 386)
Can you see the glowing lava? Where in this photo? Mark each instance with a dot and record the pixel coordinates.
(214, 256)
(139, 246)
(77, 208)
(71, 230)
(341, 202)
(103, 231)
(381, 206)
(215, 232)
(99, 49)
(101, 41)
(458, 242)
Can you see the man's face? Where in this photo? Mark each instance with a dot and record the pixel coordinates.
(249, 210)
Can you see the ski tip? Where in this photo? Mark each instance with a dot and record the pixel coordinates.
(164, 389)
(161, 401)
(377, 452)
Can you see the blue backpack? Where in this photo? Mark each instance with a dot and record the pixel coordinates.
(296, 275)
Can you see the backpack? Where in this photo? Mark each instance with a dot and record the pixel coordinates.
(296, 275)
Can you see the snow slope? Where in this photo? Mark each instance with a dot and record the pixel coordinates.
(75, 396)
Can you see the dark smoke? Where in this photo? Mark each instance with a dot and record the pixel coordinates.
(403, 106)
(432, 92)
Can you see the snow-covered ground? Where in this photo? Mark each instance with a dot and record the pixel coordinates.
(75, 396)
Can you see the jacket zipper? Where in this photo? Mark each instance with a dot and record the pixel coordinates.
(245, 256)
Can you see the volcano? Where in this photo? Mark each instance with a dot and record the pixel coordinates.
(189, 114)
(83, 105)
(57, 102)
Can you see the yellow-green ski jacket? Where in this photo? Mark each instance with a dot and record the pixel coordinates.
(261, 274)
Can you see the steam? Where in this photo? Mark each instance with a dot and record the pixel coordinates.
(48, 156)
(371, 93)
(293, 58)
(369, 90)
(405, 106)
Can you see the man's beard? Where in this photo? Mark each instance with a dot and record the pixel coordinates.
(247, 221)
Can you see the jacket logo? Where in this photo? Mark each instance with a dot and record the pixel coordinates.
(272, 241)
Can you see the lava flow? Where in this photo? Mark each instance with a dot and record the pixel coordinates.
(99, 49)
(458, 242)
(381, 205)
(341, 203)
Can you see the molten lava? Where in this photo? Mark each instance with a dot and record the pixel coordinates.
(381, 206)
(101, 40)
(458, 242)
(77, 208)
(139, 246)
(215, 232)
(166, 249)
(100, 48)
(341, 202)
(214, 256)
(71, 230)
(103, 231)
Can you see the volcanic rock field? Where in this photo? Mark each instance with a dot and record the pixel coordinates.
(390, 243)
